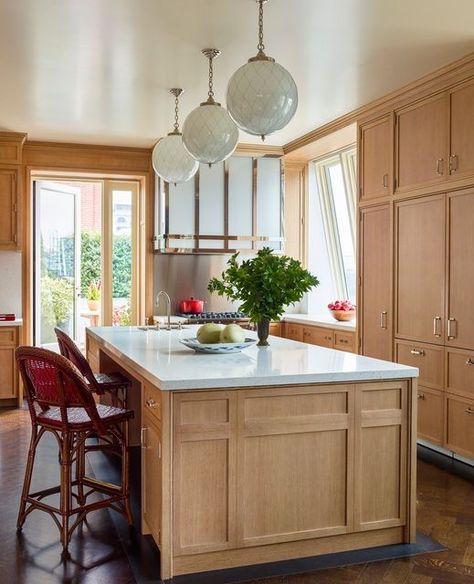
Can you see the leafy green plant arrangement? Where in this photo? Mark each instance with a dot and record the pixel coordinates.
(263, 285)
(93, 291)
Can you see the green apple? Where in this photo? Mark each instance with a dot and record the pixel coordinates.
(209, 333)
(232, 333)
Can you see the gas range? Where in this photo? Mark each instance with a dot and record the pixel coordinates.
(219, 317)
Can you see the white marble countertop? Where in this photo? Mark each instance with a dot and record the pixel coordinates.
(324, 320)
(163, 360)
(16, 322)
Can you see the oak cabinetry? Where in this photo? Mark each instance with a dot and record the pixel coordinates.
(376, 154)
(293, 331)
(461, 153)
(375, 264)
(460, 372)
(316, 335)
(275, 329)
(9, 386)
(420, 271)
(151, 460)
(460, 425)
(9, 217)
(344, 341)
(421, 142)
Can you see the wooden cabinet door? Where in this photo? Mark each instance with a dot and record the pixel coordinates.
(204, 473)
(420, 269)
(460, 425)
(375, 314)
(376, 152)
(8, 372)
(380, 455)
(460, 314)
(151, 465)
(8, 205)
(345, 341)
(293, 331)
(422, 143)
(430, 414)
(461, 160)
(317, 335)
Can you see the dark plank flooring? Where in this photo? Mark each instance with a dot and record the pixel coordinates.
(99, 552)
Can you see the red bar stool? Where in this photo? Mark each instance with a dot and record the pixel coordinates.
(115, 384)
(60, 402)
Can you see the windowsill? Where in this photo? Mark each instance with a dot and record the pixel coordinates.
(325, 321)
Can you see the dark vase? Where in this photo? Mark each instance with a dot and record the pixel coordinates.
(263, 329)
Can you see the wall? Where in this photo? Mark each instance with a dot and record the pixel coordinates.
(10, 282)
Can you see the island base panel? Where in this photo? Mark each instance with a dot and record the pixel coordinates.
(286, 551)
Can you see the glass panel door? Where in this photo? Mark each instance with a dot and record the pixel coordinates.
(56, 266)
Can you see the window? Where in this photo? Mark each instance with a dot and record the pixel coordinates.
(335, 176)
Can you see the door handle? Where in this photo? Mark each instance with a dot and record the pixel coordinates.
(436, 321)
(383, 319)
(142, 437)
(450, 333)
(419, 352)
(453, 163)
(440, 166)
(385, 181)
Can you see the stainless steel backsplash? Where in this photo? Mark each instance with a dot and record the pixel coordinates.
(183, 276)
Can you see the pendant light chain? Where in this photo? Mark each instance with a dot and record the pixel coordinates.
(210, 93)
(176, 114)
(260, 46)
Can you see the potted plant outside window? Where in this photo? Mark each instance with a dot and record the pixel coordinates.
(93, 296)
(264, 286)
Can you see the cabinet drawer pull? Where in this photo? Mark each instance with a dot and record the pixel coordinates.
(419, 352)
(385, 181)
(420, 396)
(440, 166)
(470, 411)
(436, 321)
(450, 333)
(151, 403)
(453, 162)
(470, 361)
(383, 319)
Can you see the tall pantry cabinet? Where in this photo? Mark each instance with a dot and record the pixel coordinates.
(416, 250)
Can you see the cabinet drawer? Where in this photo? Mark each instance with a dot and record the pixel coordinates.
(428, 359)
(316, 335)
(8, 336)
(460, 425)
(460, 372)
(344, 341)
(430, 414)
(293, 331)
(151, 404)
(275, 329)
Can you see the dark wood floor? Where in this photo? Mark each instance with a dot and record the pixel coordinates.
(445, 512)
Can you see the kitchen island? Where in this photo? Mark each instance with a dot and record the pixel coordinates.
(269, 454)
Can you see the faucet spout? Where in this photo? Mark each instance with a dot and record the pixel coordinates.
(168, 305)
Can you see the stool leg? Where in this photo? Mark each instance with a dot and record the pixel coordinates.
(80, 467)
(28, 474)
(65, 498)
(126, 474)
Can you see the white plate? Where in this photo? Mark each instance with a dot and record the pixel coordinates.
(217, 348)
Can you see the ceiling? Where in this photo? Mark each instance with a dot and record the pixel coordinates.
(98, 71)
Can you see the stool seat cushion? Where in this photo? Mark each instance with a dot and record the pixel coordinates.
(78, 418)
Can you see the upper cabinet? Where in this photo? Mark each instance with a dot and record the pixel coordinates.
(236, 205)
(375, 158)
(11, 148)
(461, 154)
(421, 143)
(434, 139)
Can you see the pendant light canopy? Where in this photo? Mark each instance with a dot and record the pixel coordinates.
(262, 96)
(170, 159)
(209, 134)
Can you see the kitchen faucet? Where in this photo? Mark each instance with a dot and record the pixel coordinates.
(168, 305)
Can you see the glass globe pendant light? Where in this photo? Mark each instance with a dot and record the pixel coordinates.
(262, 96)
(209, 134)
(171, 161)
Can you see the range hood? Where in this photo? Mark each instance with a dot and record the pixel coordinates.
(236, 205)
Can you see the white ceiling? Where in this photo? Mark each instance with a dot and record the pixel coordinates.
(98, 71)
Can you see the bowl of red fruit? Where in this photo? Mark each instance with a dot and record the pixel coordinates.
(342, 309)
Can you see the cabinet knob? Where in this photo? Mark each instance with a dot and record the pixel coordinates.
(420, 396)
(470, 361)
(469, 411)
(151, 403)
